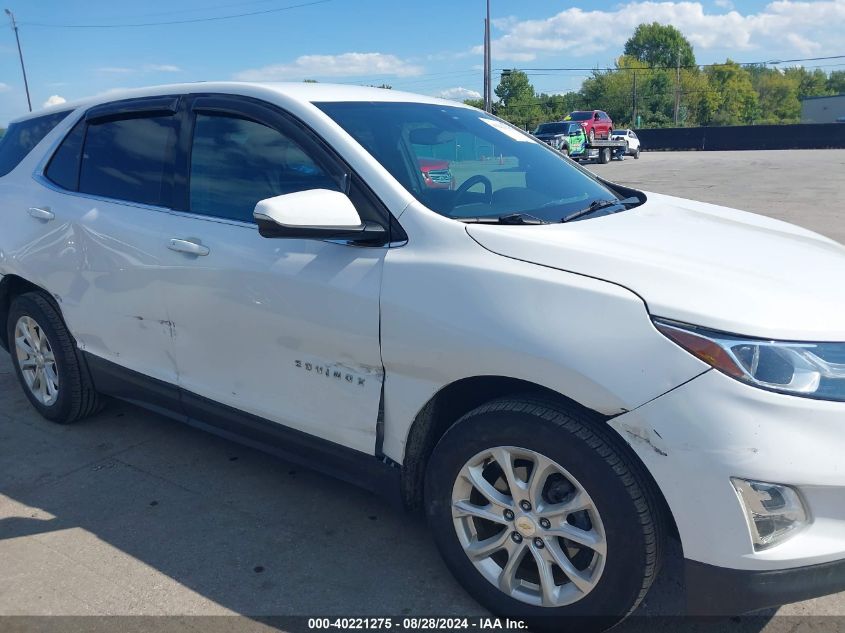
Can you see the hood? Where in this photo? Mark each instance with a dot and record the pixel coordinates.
(698, 263)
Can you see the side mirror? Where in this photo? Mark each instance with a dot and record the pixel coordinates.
(314, 214)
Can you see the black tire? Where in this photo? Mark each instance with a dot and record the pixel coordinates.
(76, 397)
(592, 135)
(605, 154)
(637, 153)
(565, 150)
(600, 461)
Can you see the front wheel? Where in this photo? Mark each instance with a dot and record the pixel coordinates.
(542, 515)
(592, 135)
(637, 153)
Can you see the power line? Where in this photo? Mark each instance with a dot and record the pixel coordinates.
(673, 67)
(188, 21)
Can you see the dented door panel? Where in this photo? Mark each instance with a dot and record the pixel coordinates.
(284, 329)
(102, 261)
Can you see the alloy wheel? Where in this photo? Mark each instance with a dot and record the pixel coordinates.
(36, 360)
(528, 526)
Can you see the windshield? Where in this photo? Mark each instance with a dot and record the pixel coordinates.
(581, 116)
(552, 128)
(493, 168)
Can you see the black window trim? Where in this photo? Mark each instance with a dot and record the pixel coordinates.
(182, 108)
(163, 105)
(140, 106)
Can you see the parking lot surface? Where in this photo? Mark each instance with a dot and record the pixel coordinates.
(129, 513)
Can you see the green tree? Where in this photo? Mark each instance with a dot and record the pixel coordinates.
(475, 103)
(777, 94)
(518, 102)
(658, 44)
(836, 82)
(736, 100)
(556, 107)
(808, 84)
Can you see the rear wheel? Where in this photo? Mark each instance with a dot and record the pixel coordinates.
(47, 363)
(605, 154)
(541, 515)
(637, 153)
(592, 135)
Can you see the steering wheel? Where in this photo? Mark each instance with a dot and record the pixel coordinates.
(468, 184)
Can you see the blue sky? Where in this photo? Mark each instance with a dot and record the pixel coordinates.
(431, 47)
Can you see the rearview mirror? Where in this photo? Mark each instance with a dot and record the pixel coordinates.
(316, 213)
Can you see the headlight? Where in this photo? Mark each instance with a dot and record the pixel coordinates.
(814, 370)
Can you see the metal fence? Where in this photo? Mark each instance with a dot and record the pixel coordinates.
(740, 137)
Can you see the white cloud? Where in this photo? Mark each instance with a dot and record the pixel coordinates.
(5, 87)
(146, 68)
(459, 94)
(117, 70)
(54, 100)
(786, 26)
(344, 65)
(162, 68)
(725, 4)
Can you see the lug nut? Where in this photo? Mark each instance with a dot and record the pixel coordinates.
(538, 543)
(516, 537)
(525, 506)
(545, 523)
(509, 515)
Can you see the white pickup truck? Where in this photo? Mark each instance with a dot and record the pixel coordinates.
(561, 372)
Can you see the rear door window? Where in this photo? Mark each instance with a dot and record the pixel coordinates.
(63, 169)
(21, 137)
(128, 158)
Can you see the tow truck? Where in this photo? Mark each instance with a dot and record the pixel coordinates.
(568, 138)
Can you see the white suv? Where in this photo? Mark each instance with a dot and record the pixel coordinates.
(558, 370)
(631, 139)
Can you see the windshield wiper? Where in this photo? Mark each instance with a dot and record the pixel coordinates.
(598, 205)
(510, 218)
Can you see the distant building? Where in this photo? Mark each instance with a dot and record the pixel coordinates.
(823, 109)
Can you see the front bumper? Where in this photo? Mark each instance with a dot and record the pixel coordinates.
(694, 438)
(720, 591)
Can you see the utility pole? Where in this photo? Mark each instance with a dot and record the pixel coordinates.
(677, 86)
(486, 76)
(634, 101)
(20, 54)
(488, 83)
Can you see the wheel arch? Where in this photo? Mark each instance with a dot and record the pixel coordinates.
(456, 399)
(12, 286)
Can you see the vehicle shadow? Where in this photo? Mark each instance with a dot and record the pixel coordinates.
(129, 513)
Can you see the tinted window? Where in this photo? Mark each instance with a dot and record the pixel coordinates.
(21, 137)
(552, 128)
(64, 166)
(581, 116)
(126, 159)
(236, 162)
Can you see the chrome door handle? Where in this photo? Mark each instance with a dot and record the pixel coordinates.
(41, 214)
(187, 246)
